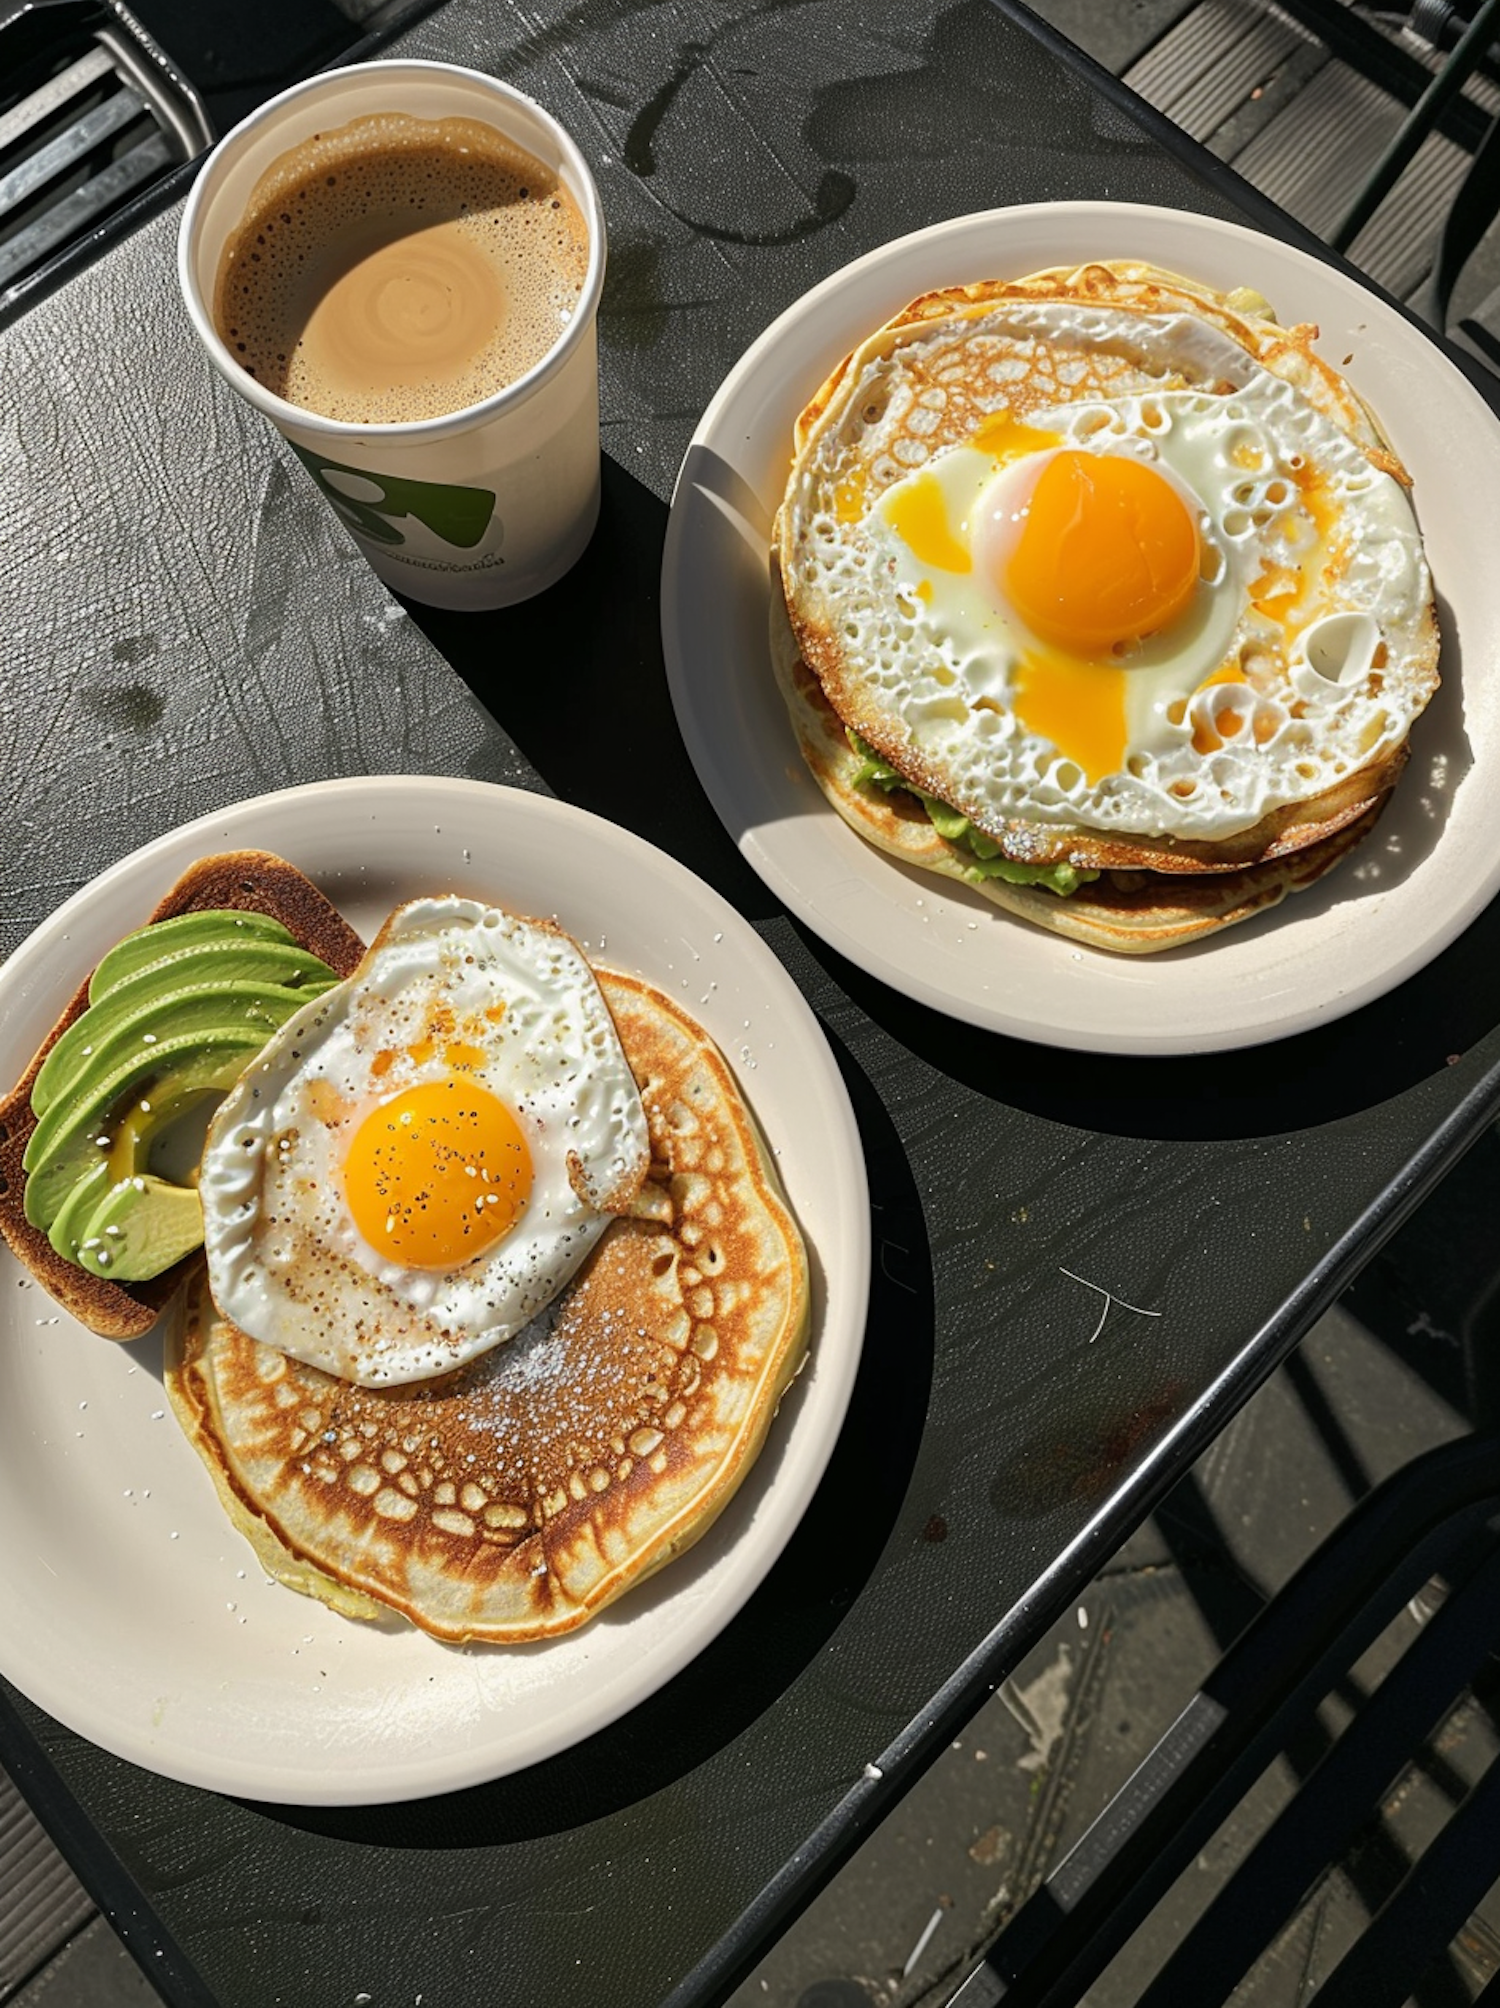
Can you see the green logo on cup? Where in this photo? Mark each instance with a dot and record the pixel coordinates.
(367, 502)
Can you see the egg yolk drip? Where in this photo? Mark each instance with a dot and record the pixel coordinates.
(1108, 553)
(437, 1174)
(919, 516)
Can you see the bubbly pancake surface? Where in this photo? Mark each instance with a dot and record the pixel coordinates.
(513, 1499)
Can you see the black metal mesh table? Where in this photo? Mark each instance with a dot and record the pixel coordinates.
(187, 628)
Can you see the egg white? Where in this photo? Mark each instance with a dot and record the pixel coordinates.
(1230, 712)
(287, 1263)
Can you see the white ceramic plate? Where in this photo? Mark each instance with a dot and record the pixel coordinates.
(1429, 868)
(133, 1612)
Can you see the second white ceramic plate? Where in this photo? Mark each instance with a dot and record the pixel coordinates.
(1431, 865)
(133, 1611)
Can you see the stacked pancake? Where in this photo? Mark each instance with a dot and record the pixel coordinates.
(1100, 592)
(515, 1497)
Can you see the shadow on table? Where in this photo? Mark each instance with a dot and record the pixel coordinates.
(788, 1620)
(1432, 1294)
(1300, 1083)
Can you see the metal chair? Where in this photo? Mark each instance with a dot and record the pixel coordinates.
(1324, 72)
(1439, 1519)
(92, 115)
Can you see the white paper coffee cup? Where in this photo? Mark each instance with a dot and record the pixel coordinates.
(479, 507)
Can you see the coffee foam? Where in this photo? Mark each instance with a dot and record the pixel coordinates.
(399, 269)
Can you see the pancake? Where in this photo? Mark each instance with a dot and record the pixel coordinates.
(515, 1498)
(1257, 712)
(1243, 316)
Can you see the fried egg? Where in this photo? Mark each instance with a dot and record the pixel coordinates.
(419, 1162)
(1161, 612)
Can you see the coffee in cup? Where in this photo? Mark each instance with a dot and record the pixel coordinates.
(400, 265)
(397, 269)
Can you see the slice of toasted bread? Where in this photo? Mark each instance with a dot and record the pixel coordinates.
(245, 881)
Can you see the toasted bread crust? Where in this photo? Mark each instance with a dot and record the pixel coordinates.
(242, 881)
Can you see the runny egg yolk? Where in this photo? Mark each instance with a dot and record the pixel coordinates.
(1107, 552)
(437, 1174)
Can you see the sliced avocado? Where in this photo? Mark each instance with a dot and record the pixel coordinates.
(984, 859)
(124, 1108)
(66, 1230)
(141, 1226)
(162, 939)
(205, 988)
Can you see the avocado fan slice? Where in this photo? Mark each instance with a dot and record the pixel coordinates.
(67, 1228)
(140, 1227)
(125, 1109)
(982, 855)
(256, 983)
(157, 942)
